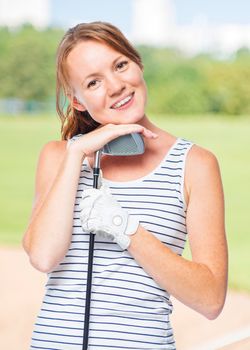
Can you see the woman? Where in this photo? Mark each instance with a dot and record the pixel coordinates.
(174, 188)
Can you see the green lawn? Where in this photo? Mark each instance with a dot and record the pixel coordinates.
(22, 139)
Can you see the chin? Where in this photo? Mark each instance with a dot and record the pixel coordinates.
(137, 118)
(125, 117)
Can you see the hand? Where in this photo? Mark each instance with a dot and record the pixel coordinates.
(91, 142)
(101, 214)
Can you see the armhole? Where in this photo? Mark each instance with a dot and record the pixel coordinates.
(72, 139)
(69, 141)
(189, 146)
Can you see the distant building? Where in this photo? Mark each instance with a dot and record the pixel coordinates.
(16, 12)
(222, 39)
(153, 23)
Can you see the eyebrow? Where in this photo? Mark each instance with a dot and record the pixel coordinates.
(95, 74)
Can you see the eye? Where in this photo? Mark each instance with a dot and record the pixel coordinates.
(92, 84)
(121, 65)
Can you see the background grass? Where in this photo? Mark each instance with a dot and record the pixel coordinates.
(23, 137)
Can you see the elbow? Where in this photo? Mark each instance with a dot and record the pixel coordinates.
(43, 258)
(215, 297)
(214, 309)
(213, 312)
(44, 261)
(26, 244)
(41, 264)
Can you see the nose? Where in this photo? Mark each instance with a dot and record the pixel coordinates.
(115, 85)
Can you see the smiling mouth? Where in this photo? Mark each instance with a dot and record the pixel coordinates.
(123, 102)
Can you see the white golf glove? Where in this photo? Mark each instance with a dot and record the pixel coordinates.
(101, 214)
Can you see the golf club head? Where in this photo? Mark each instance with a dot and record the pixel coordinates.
(126, 145)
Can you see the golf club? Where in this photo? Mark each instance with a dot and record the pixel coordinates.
(127, 145)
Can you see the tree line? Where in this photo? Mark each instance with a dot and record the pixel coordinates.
(177, 84)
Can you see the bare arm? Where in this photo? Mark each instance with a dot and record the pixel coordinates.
(201, 283)
(48, 235)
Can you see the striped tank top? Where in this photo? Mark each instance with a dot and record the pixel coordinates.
(128, 309)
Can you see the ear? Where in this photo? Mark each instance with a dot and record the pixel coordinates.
(78, 105)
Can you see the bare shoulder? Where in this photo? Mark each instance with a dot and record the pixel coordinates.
(202, 168)
(53, 150)
(49, 161)
(51, 154)
(200, 159)
(201, 156)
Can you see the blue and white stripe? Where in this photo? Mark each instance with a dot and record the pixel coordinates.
(128, 309)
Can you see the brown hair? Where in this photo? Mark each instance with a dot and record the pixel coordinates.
(74, 121)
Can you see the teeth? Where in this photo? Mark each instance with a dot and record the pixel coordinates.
(122, 102)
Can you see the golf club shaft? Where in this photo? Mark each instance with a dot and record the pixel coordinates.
(88, 292)
(96, 172)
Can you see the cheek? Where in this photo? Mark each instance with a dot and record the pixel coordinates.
(135, 77)
(140, 83)
(92, 100)
(137, 80)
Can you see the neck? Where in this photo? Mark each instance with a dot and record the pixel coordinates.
(149, 143)
(146, 122)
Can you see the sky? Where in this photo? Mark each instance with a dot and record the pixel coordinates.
(70, 12)
(217, 11)
(222, 25)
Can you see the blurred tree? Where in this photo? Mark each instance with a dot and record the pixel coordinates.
(177, 84)
(228, 87)
(27, 63)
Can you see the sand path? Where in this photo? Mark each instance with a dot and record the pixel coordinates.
(21, 292)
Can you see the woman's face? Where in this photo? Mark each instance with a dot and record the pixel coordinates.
(107, 84)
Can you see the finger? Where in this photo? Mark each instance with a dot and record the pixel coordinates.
(90, 193)
(124, 129)
(84, 215)
(96, 139)
(86, 203)
(149, 134)
(92, 225)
